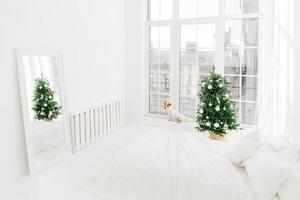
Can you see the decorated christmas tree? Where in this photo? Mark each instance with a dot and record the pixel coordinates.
(45, 106)
(215, 113)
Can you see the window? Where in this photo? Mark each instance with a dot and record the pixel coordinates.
(189, 38)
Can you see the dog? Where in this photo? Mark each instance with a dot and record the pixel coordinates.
(174, 116)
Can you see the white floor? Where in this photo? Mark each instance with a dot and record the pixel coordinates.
(69, 180)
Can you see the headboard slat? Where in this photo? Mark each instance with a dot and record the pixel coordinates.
(91, 125)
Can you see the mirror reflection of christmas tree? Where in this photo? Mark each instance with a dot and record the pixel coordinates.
(45, 106)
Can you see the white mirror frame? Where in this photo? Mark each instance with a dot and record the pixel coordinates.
(26, 122)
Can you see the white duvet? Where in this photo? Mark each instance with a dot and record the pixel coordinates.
(167, 166)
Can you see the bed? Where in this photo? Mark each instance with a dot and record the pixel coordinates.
(163, 164)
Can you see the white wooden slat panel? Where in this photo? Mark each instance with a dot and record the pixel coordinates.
(96, 123)
(77, 132)
(93, 124)
(105, 119)
(102, 121)
(109, 114)
(73, 132)
(82, 130)
(87, 128)
(117, 114)
(120, 113)
(113, 117)
(123, 114)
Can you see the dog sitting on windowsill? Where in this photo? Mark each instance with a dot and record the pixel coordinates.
(174, 116)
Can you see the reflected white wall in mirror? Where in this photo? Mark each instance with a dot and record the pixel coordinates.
(41, 89)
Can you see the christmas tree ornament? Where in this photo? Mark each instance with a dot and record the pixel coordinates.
(223, 120)
(216, 125)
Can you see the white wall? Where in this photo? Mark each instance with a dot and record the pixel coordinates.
(89, 33)
(135, 60)
(295, 122)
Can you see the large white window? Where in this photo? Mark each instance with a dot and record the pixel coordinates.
(186, 39)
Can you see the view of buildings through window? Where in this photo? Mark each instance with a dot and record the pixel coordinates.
(183, 48)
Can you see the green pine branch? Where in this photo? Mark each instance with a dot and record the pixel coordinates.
(216, 112)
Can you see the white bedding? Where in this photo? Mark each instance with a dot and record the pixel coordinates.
(160, 165)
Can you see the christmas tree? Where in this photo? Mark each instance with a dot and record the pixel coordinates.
(216, 113)
(45, 106)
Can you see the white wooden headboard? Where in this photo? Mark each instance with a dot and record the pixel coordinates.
(90, 125)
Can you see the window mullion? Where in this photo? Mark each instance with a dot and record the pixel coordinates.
(175, 35)
(220, 28)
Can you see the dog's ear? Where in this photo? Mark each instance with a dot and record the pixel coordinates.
(165, 103)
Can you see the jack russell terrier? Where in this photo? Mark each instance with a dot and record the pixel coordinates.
(174, 116)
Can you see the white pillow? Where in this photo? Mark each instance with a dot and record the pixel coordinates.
(277, 143)
(267, 172)
(244, 149)
(290, 154)
(291, 188)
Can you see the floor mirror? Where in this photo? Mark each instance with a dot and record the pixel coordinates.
(42, 98)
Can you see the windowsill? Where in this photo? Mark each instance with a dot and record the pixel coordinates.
(185, 126)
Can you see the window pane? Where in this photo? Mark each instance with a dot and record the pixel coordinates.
(241, 32)
(164, 37)
(207, 8)
(187, 8)
(250, 65)
(160, 9)
(250, 32)
(206, 35)
(249, 114)
(154, 82)
(154, 37)
(188, 106)
(154, 60)
(156, 104)
(164, 82)
(189, 38)
(198, 8)
(233, 33)
(164, 60)
(249, 88)
(159, 68)
(206, 60)
(234, 86)
(197, 36)
(190, 84)
(235, 7)
(162, 99)
(197, 57)
(237, 107)
(232, 61)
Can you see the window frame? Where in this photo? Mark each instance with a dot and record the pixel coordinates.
(175, 25)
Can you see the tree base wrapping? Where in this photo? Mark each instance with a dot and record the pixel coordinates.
(215, 136)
